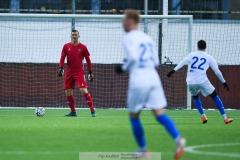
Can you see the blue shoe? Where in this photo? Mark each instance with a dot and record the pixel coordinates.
(71, 114)
(93, 114)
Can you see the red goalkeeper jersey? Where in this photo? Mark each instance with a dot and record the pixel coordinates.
(75, 56)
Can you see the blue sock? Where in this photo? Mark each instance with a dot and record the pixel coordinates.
(138, 132)
(219, 104)
(169, 125)
(198, 105)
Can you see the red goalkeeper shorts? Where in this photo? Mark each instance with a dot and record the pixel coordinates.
(71, 79)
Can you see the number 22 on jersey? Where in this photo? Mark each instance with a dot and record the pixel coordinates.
(146, 54)
(196, 65)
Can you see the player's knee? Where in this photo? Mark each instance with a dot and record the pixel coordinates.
(134, 115)
(69, 92)
(213, 95)
(83, 91)
(158, 112)
(196, 97)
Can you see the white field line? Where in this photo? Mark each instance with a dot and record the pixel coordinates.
(193, 149)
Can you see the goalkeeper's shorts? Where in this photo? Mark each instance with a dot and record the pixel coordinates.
(71, 79)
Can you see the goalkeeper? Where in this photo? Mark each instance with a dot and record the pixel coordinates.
(75, 53)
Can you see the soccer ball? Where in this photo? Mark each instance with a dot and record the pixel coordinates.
(40, 111)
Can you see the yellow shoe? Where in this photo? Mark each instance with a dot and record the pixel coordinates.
(204, 119)
(228, 120)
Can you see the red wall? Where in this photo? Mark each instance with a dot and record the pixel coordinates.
(31, 85)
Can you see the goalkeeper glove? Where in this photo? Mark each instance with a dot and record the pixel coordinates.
(90, 76)
(225, 85)
(171, 73)
(60, 71)
(118, 69)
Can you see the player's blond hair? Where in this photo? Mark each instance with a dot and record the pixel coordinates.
(133, 15)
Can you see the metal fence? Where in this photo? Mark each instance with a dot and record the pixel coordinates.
(201, 9)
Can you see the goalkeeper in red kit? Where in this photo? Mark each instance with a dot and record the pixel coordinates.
(76, 52)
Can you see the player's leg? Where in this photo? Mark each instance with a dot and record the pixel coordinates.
(194, 90)
(80, 78)
(157, 101)
(68, 86)
(138, 133)
(70, 99)
(198, 104)
(167, 122)
(135, 102)
(220, 106)
(208, 89)
(171, 128)
(88, 99)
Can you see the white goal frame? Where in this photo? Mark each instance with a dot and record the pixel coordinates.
(87, 16)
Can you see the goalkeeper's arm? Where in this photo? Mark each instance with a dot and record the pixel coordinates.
(60, 71)
(89, 64)
(61, 63)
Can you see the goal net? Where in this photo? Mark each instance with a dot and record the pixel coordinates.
(31, 46)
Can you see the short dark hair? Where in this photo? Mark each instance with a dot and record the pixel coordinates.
(202, 45)
(74, 30)
(133, 15)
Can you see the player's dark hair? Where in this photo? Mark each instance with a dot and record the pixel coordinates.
(132, 14)
(74, 30)
(202, 45)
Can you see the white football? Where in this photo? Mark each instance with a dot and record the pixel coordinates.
(40, 111)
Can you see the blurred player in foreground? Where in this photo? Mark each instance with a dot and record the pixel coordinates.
(198, 63)
(75, 53)
(145, 88)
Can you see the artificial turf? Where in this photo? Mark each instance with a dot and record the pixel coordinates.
(24, 136)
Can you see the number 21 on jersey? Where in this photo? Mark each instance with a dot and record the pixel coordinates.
(146, 54)
(195, 64)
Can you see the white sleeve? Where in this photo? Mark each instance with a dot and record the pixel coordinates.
(130, 52)
(184, 62)
(219, 75)
(213, 64)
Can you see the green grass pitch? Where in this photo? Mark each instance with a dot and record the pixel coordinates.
(24, 136)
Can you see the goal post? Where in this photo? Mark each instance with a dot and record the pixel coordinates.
(190, 27)
(31, 46)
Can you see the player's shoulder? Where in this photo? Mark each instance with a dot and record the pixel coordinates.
(83, 45)
(135, 33)
(210, 57)
(137, 36)
(141, 34)
(67, 44)
(192, 54)
(206, 55)
(127, 39)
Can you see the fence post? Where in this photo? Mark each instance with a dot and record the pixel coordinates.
(73, 12)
